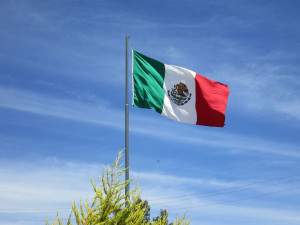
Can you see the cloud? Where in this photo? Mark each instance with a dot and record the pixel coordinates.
(171, 180)
(262, 88)
(291, 108)
(67, 109)
(49, 185)
(238, 144)
(52, 48)
(89, 113)
(41, 188)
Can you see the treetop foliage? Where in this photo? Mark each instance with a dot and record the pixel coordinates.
(108, 206)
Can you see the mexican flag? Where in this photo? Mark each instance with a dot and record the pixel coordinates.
(178, 93)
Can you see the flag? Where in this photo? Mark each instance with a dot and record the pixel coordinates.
(178, 93)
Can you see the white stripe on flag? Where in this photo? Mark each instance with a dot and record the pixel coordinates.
(184, 113)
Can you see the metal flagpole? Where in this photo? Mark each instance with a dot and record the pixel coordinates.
(127, 188)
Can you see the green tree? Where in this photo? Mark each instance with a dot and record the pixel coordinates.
(145, 205)
(108, 206)
(163, 214)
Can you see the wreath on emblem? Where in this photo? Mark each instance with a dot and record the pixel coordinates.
(179, 94)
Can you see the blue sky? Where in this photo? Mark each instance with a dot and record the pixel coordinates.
(62, 75)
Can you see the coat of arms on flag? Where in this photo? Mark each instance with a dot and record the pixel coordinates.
(179, 94)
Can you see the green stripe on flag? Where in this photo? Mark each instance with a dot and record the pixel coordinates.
(148, 81)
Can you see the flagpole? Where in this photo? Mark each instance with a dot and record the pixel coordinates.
(127, 188)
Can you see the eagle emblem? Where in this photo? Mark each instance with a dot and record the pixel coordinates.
(179, 94)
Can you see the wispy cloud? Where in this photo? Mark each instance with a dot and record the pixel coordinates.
(171, 180)
(89, 113)
(53, 184)
(262, 88)
(237, 143)
(74, 54)
(67, 109)
(291, 108)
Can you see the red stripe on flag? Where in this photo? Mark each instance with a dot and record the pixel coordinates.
(211, 101)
